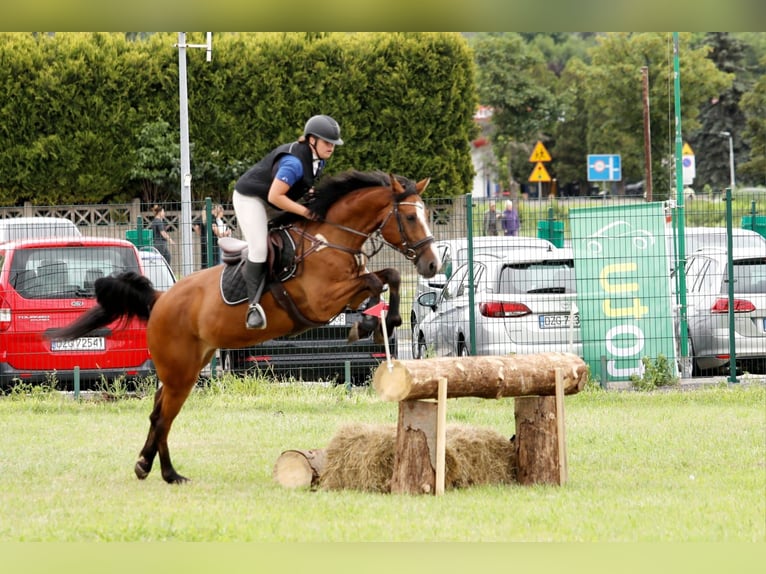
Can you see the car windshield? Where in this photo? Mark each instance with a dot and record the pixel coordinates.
(61, 272)
(538, 277)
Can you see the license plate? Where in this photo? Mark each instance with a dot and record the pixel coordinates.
(557, 321)
(338, 321)
(81, 344)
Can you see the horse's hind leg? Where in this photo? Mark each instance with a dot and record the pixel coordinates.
(146, 458)
(167, 405)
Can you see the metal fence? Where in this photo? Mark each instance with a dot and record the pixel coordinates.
(628, 303)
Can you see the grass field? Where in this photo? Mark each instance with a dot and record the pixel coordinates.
(670, 466)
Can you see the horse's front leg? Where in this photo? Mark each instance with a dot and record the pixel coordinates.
(370, 323)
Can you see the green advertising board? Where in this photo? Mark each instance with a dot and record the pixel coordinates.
(623, 288)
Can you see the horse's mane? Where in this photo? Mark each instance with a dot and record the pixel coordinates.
(331, 189)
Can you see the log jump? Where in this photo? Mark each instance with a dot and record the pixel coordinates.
(537, 382)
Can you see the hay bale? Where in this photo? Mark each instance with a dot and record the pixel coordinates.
(361, 457)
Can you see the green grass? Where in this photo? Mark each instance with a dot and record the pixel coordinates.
(664, 466)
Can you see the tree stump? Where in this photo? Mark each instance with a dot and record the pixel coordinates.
(415, 458)
(537, 441)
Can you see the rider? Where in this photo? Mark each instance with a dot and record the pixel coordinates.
(276, 182)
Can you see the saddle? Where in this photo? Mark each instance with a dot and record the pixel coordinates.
(282, 265)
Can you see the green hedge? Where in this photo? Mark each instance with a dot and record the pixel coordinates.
(75, 105)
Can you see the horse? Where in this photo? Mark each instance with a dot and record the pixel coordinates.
(188, 322)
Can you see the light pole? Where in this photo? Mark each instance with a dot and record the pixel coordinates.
(731, 157)
(187, 255)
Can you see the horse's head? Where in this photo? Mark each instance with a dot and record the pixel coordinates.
(407, 228)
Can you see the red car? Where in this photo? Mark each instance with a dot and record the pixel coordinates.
(47, 283)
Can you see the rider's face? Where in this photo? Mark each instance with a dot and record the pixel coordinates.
(323, 148)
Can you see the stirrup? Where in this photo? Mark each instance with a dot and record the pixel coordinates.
(256, 318)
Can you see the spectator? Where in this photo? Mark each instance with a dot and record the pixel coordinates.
(160, 236)
(490, 220)
(510, 220)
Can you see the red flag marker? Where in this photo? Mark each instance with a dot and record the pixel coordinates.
(376, 310)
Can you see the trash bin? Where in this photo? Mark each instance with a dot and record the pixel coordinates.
(759, 226)
(551, 230)
(145, 239)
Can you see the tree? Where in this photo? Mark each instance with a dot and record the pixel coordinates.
(754, 109)
(513, 79)
(721, 113)
(614, 100)
(157, 165)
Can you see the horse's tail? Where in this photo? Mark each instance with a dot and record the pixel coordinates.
(122, 296)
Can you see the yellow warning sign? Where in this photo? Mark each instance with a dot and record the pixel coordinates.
(687, 150)
(539, 153)
(539, 173)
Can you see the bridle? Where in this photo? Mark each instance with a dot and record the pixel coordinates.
(412, 251)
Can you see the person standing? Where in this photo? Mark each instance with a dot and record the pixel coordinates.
(160, 236)
(220, 229)
(490, 220)
(510, 220)
(274, 185)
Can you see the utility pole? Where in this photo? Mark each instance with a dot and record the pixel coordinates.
(731, 157)
(187, 250)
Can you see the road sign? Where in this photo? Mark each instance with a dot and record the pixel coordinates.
(689, 169)
(539, 174)
(539, 154)
(604, 167)
(687, 150)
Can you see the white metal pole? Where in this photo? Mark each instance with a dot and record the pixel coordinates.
(187, 255)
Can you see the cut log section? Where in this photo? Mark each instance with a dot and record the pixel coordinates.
(299, 468)
(489, 377)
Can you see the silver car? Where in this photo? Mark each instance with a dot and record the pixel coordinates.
(708, 306)
(524, 302)
(454, 253)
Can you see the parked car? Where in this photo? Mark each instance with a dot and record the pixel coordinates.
(524, 302)
(156, 268)
(47, 283)
(14, 228)
(319, 354)
(707, 299)
(454, 253)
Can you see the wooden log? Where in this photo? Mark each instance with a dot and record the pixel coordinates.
(415, 457)
(490, 377)
(537, 445)
(299, 468)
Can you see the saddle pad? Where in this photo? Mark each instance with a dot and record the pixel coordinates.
(233, 287)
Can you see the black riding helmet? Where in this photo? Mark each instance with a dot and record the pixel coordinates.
(323, 127)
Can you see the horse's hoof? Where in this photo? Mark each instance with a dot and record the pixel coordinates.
(176, 479)
(142, 469)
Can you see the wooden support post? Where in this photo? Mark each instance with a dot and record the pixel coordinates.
(537, 453)
(415, 457)
(560, 433)
(441, 436)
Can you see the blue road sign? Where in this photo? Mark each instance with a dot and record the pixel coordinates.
(604, 168)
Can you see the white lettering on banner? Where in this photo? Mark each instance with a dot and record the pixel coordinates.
(631, 351)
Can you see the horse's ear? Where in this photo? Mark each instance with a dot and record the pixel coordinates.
(422, 185)
(396, 187)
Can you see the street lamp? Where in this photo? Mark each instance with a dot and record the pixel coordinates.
(731, 156)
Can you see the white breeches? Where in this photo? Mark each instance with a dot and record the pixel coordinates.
(253, 224)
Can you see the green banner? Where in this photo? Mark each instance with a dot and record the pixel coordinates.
(623, 288)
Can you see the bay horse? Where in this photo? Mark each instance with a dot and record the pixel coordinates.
(186, 324)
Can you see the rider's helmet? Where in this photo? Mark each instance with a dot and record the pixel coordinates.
(323, 127)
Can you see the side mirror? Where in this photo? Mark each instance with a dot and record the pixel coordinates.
(428, 300)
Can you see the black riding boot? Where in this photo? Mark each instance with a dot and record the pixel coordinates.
(255, 279)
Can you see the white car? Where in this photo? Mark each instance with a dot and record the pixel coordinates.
(454, 253)
(156, 268)
(707, 288)
(524, 303)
